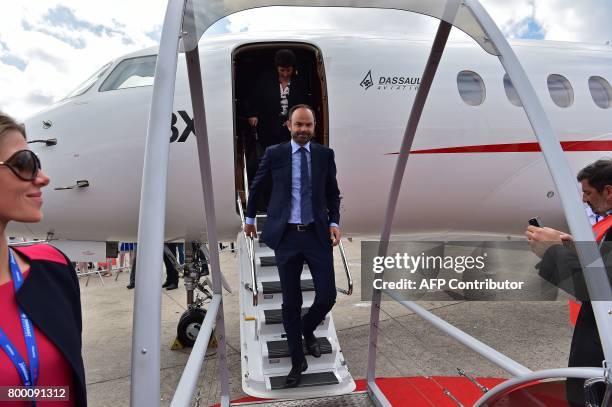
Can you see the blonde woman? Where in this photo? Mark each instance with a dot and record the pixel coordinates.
(40, 307)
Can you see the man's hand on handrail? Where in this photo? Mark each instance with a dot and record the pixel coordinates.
(250, 230)
(334, 235)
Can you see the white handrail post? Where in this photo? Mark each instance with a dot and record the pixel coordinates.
(199, 115)
(145, 383)
(415, 115)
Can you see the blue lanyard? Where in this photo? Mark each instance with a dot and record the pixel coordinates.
(28, 377)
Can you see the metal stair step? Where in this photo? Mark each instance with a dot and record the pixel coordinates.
(308, 380)
(267, 261)
(274, 287)
(280, 349)
(270, 261)
(275, 316)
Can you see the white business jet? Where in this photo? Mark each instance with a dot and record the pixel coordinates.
(476, 166)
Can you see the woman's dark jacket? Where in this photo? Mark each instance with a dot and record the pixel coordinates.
(50, 296)
(264, 103)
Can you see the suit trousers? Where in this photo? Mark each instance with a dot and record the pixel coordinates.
(172, 275)
(294, 249)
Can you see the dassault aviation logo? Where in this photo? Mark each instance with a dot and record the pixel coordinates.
(367, 82)
(390, 83)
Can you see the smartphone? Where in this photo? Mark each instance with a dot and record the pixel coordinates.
(537, 222)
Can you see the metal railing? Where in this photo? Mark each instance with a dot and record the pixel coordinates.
(573, 372)
(249, 239)
(347, 270)
(465, 339)
(251, 252)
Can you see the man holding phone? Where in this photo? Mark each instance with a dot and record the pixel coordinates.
(561, 261)
(301, 226)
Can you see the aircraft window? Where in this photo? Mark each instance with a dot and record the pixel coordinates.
(471, 88)
(601, 91)
(131, 73)
(85, 86)
(561, 90)
(511, 93)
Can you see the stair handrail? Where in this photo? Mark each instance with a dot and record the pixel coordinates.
(249, 239)
(251, 252)
(347, 271)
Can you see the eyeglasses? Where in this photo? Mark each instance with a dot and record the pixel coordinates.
(24, 164)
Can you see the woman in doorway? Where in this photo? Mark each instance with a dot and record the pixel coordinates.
(268, 105)
(274, 94)
(40, 306)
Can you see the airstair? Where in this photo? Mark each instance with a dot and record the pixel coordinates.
(265, 355)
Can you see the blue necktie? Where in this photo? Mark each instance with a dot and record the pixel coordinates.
(305, 189)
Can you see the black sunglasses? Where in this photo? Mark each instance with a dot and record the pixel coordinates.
(24, 164)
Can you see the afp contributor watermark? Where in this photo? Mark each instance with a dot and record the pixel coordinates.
(456, 270)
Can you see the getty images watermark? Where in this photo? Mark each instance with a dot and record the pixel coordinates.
(479, 271)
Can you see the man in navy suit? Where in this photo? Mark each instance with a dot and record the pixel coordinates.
(301, 226)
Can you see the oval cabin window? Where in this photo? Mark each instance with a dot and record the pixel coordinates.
(471, 88)
(601, 91)
(511, 92)
(561, 90)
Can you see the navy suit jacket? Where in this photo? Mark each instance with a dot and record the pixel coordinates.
(275, 169)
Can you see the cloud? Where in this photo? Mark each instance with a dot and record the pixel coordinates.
(560, 20)
(41, 56)
(369, 20)
(155, 34)
(61, 16)
(48, 47)
(75, 42)
(40, 99)
(582, 21)
(527, 28)
(14, 61)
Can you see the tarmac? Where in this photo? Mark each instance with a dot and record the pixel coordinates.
(535, 334)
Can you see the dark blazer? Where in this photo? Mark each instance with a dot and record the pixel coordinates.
(50, 296)
(264, 103)
(560, 266)
(275, 168)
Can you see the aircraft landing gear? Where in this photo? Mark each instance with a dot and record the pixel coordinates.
(189, 326)
(195, 274)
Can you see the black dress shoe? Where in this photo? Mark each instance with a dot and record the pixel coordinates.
(165, 284)
(130, 286)
(295, 375)
(171, 286)
(312, 345)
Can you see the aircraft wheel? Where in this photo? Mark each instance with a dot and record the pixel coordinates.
(189, 326)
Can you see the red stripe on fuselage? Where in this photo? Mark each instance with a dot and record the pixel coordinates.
(591, 145)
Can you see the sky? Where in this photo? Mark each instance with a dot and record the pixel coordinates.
(48, 47)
